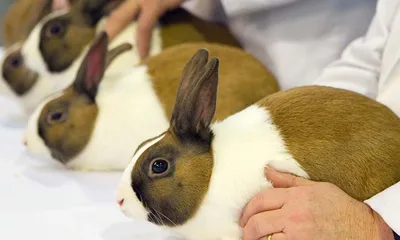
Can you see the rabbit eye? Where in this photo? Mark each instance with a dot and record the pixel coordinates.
(15, 62)
(55, 29)
(56, 117)
(159, 166)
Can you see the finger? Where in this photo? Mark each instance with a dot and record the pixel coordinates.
(262, 224)
(121, 17)
(270, 199)
(275, 236)
(148, 18)
(60, 4)
(285, 180)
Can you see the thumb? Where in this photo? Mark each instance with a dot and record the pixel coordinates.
(285, 180)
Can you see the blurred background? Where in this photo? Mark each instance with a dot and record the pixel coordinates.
(3, 8)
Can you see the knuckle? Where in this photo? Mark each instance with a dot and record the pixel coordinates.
(258, 201)
(254, 227)
(301, 216)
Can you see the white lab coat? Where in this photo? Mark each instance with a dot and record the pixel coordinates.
(370, 65)
(296, 39)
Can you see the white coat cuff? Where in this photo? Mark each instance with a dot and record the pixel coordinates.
(386, 204)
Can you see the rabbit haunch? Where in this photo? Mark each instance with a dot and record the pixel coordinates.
(196, 178)
(95, 123)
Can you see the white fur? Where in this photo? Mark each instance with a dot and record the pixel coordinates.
(129, 113)
(34, 58)
(244, 144)
(125, 192)
(31, 99)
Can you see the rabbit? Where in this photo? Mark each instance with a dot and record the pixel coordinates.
(21, 17)
(26, 86)
(20, 83)
(56, 46)
(93, 124)
(196, 177)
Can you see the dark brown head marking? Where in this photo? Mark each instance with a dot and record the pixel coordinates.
(171, 178)
(15, 73)
(67, 122)
(63, 38)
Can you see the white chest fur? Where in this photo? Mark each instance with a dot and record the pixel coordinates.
(244, 145)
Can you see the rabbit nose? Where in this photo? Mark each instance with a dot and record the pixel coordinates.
(121, 202)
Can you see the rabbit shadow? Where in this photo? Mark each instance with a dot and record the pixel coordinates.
(125, 231)
(97, 186)
(12, 115)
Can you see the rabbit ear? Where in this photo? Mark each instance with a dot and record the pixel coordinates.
(196, 99)
(115, 52)
(93, 67)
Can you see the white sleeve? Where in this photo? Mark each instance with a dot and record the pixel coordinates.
(237, 7)
(387, 205)
(358, 68)
(211, 10)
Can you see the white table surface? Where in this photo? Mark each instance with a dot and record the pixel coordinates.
(42, 200)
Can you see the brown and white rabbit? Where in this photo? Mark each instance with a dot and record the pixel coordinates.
(20, 83)
(96, 122)
(26, 86)
(196, 177)
(56, 46)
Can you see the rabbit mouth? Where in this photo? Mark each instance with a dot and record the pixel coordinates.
(21, 87)
(59, 156)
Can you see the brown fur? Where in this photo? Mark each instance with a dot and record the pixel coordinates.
(179, 26)
(243, 80)
(190, 166)
(75, 31)
(17, 76)
(67, 138)
(20, 19)
(339, 137)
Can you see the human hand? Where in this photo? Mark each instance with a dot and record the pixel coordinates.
(299, 209)
(150, 10)
(60, 4)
